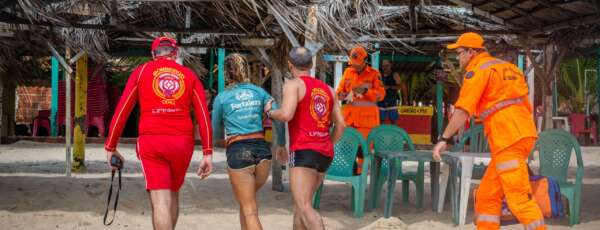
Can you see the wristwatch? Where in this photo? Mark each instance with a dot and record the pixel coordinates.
(442, 138)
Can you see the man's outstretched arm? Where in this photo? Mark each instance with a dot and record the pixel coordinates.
(338, 121)
(289, 103)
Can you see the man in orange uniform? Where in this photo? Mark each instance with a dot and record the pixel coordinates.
(496, 92)
(361, 88)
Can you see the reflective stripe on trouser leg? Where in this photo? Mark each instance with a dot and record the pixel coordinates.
(512, 170)
(488, 200)
(487, 221)
(535, 225)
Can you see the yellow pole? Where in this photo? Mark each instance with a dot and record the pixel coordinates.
(81, 82)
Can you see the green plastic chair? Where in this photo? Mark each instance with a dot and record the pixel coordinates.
(394, 138)
(341, 169)
(473, 140)
(477, 143)
(555, 148)
(476, 139)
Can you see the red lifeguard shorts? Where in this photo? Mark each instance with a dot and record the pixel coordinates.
(165, 160)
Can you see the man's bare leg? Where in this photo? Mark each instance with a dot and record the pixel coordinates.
(298, 225)
(303, 183)
(161, 209)
(174, 207)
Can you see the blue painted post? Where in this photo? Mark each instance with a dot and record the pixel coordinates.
(221, 69)
(54, 100)
(375, 57)
(439, 93)
(521, 62)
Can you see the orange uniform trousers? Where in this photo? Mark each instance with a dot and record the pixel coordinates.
(362, 118)
(507, 176)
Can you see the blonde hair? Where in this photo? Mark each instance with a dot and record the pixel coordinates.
(236, 69)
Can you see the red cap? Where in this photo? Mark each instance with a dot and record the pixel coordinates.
(163, 41)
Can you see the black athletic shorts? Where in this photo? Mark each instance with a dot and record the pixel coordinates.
(310, 159)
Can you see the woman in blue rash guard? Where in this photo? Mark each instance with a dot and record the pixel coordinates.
(240, 108)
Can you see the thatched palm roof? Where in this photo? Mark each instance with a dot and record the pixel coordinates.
(103, 28)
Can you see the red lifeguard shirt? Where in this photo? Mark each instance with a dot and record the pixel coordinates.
(309, 129)
(166, 92)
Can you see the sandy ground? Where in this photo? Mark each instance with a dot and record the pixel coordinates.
(35, 194)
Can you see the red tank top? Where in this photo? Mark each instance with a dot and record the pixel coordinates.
(309, 129)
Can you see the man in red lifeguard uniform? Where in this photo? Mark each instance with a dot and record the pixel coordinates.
(310, 108)
(166, 92)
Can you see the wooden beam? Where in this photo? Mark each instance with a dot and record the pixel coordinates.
(8, 3)
(514, 8)
(175, 0)
(419, 39)
(77, 57)
(264, 23)
(430, 32)
(61, 60)
(264, 57)
(590, 19)
(553, 6)
(412, 15)
(11, 19)
(284, 26)
(257, 42)
(483, 13)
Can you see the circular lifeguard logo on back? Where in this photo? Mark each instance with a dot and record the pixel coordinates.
(319, 107)
(168, 84)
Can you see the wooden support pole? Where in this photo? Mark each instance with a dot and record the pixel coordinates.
(598, 86)
(54, 102)
(2, 122)
(8, 107)
(79, 131)
(276, 92)
(310, 34)
(68, 124)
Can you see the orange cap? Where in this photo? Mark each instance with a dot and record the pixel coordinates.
(357, 55)
(468, 40)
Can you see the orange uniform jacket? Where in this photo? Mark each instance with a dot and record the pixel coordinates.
(489, 82)
(363, 113)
